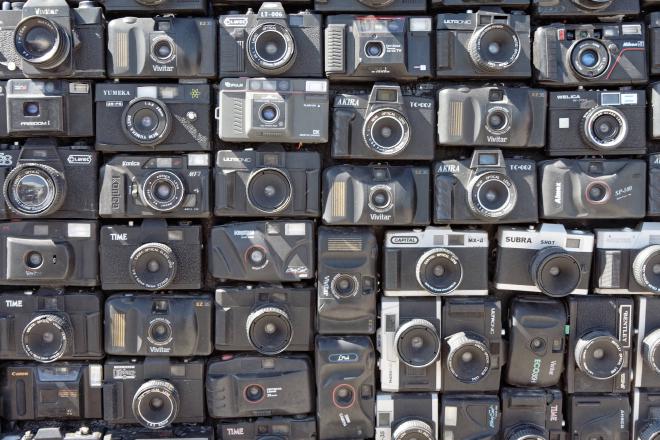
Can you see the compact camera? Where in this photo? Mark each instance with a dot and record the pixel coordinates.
(376, 6)
(149, 7)
(46, 108)
(592, 188)
(162, 186)
(654, 41)
(647, 349)
(151, 256)
(550, 259)
(463, 4)
(604, 416)
(48, 325)
(483, 44)
(182, 431)
(250, 385)
(653, 196)
(537, 341)
(599, 344)
(345, 384)
(158, 325)
(407, 415)
(154, 392)
(162, 47)
(581, 9)
(597, 122)
(38, 181)
(653, 119)
(435, 261)
(485, 189)
(386, 123)
(264, 428)
(347, 280)
(273, 110)
(645, 414)
(56, 430)
(48, 39)
(367, 48)
(62, 390)
(252, 183)
(590, 55)
(49, 253)
(532, 413)
(409, 344)
(272, 250)
(272, 42)
(470, 416)
(144, 117)
(263, 318)
(376, 195)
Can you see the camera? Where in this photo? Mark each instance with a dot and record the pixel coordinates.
(463, 4)
(347, 280)
(485, 189)
(252, 183)
(47, 325)
(56, 430)
(590, 55)
(653, 197)
(581, 9)
(367, 48)
(388, 123)
(605, 416)
(407, 415)
(158, 325)
(376, 6)
(264, 318)
(647, 353)
(346, 388)
(645, 414)
(151, 256)
(592, 188)
(62, 390)
(470, 416)
(600, 344)
(154, 392)
(558, 261)
(46, 108)
(148, 7)
(38, 181)
(537, 341)
(49, 253)
(483, 44)
(264, 428)
(435, 261)
(273, 110)
(162, 186)
(409, 344)
(654, 41)
(532, 413)
(152, 118)
(162, 47)
(183, 431)
(272, 250)
(376, 195)
(250, 385)
(497, 116)
(597, 122)
(272, 42)
(48, 39)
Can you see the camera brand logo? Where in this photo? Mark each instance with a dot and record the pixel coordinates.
(159, 68)
(518, 240)
(404, 239)
(493, 314)
(130, 163)
(14, 303)
(79, 159)
(457, 21)
(5, 160)
(536, 370)
(118, 237)
(160, 349)
(554, 413)
(35, 123)
(448, 168)
(116, 92)
(624, 324)
(347, 101)
(20, 373)
(496, 139)
(46, 11)
(558, 193)
(520, 167)
(235, 21)
(233, 85)
(236, 159)
(639, 43)
(573, 96)
(492, 416)
(115, 192)
(342, 358)
(235, 431)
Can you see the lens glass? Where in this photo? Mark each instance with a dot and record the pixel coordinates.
(34, 260)
(153, 266)
(163, 50)
(374, 49)
(32, 192)
(589, 58)
(380, 199)
(31, 109)
(269, 330)
(269, 190)
(269, 113)
(155, 404)
(146, 121)
(556, 272)
(599, 355)
(606, 128)
(493, 195)
(418, 345)
(497, 121)
(254, 393)
(160, 332)
(344, 285)
(271, 46)
(598, 192)
(163, 190)
(468, 359)
(343, 396)
(39, 40)
(387, 132)
(439, 271)
(44, 339)
(496, 47)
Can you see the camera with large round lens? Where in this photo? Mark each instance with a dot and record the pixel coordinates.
(589, 58)
(42, 42)
(498, 120)
(599, 355)
(413, 429)
(492, 195)
(163, 49)
(374, 49)
(156, 404)
(160, 331)
(344, 285)
(153, 266)
(527, 433)
(417, 343)
(597, 192)
(343, 396)
(33, 190)
(269, 190)
(468, 359)
(46, 338)
(604, 128)
(163, 191)
(380, 198)
(555, 271)
(271, 48)
(494, 47)
(147, 121)
(254, 393)
(651, 350)
(439, 271)
(269, 330)
(386, 131)
(646, 268)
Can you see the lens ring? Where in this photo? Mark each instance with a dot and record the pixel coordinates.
(340, 292)
(253, 263)
(265, 37)
(383, 124)
(149, 192)
(145, 410)
(254, 393)
(416, 331)
(42, 175)
(651, 350)
(428, 276)
(153, 266)
(266, 199)
(378, 49)
(33, 333)
(599, 345)
(343, 402)
(160, 42)
(31, 47)
(413, 429)
(458, 343)
(504, 195)
(548, 265)
(651, 431)
(604, 192)
(527, 432)
(480, 47)
(155, 339)
(645, 268)
(282, 330)
(608, 116)
(147, 121)
(505, 116)
(596, 50)
(378, 192)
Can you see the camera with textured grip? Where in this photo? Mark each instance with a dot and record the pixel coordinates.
(435, 262)
(345, 385)
(373, 6)
(592, 188)
(470, 416)
(532, 414)
(402, 416)
(368, 48)
(39, 177)
(645, 414)
(265, 428)
(46, 108)
(647, 348)
(154, 392)
(150, 118)
(158, 325)
(604, 54)
(486, 188)
(182, 431)
(61, 390)
(163, 186)
(606, 417)
(277, 183)
(151, 256)
(483, 44)
(251, 385)
(48, 39)
(270, 43)
(149, 7)
(409, 344)
(585, 9)
(49, 253)
(48, 325)
(387, 123)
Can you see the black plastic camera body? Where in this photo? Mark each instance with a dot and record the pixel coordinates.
(182, 431)
(374, 6)
(407, 415)
(532, 413)
(647, 348)
(645, 421)
(604, 416)
(581, 9)
(263, 428)
(470, 416)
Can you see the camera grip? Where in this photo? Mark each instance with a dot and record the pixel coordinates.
(334, 48)
(443, 50)
(444, 188)
(232, 51)
(342, 132)
(113, 394)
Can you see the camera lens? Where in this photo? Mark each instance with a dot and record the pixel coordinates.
(492, 195)
(163, 191)
(160, 332)
(153, 266)
(526, 432)
(599, 355)
(498, 121)
(651, 431)
(31, 109)
(376, 3)
(33, 190)
(147, 121)
(45, 338)
(604, 128)
(344, 285)
(386, 131)
(413, 429)
(269, 113)
(34, 260)
(646, 268)
(439, 271)
(41, 42)
(256, 257)
(469, 358)
(494, 47)
(271, 48)
(254, 393)
(380, 198)
(592, 4)
(269, 330)
(417, 343)
(343, 396)
(163, 49)
(156, 404)
(374, 49)
(589, 58)
(269, 190)
(597, 193)
(555, 272)
(651, 350)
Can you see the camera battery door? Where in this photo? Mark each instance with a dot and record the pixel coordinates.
(600, 416)
(532, 413)
(407, 415)
(465, 416)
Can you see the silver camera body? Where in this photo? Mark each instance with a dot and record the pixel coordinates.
(399, 415)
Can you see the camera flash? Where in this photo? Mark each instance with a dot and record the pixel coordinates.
(79, 230)
(198, 160)
(420, 24)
